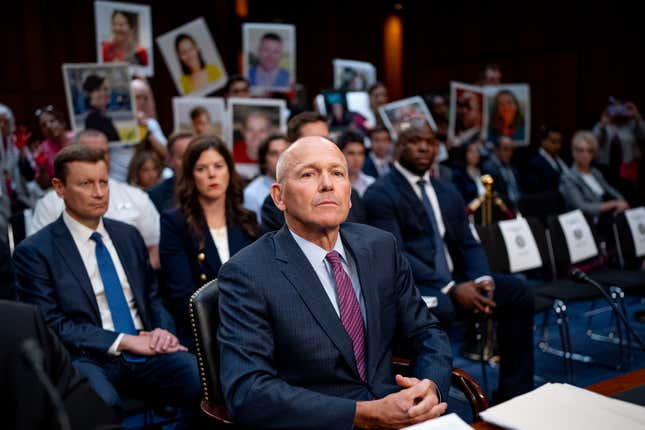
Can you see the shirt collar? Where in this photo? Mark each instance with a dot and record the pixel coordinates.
(80, 232)
(412, 178)
(314, 253)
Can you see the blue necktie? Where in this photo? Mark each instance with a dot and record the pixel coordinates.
(440, 261)
(117, 303)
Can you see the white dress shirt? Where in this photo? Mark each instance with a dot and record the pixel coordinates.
(382, 164)
(220, 237)
(362, 182)
(432, 196)
(316, 256)
(556, 163)
(592, 183)
(127, 204)
(255, 193)
(87, 248)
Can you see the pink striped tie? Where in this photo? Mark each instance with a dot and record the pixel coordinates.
(350, 311)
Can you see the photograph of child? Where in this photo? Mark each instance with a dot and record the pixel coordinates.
(124, 34)
(250, 121)
(269, 52)
(401, 114)
(193, 59)
(99, 97)
(200, 115)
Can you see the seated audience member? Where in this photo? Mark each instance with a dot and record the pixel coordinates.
(126, 204)
(5, 213)
(544, 169)
(17, 163)
(144, 170)
(428, 218)
(378, 97)
(201, 121)
(7, 276)
(208, 227)
(92, 280)
(26, 404)
(353, 147)
(621, 142)
(302, 125)
(378, 160)
(55, 138)
(467, 172)
(584, 187)
(163, 194)
(309, 314)
(258, 188)
(505, 177)
(237, 86)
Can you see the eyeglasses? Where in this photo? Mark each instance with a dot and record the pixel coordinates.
(46, 109)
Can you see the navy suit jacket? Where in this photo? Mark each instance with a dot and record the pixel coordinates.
(369, 168)
(541, 176)
(287, 361)
(392, 205)
(182, 268)
(465, 184)
(52, 276)
(499, 183)
(163, 195)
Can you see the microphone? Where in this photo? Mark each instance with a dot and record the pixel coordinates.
(33, 354)
(581, 277)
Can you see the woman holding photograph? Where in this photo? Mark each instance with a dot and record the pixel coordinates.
(507, 118)
(97, 94)
(124, 46)
(195, 73)
(208, 227)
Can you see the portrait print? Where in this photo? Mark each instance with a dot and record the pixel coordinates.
(466, 113)
(124, 34)
(508, 112)
(401, 114)
(99, 98)
(269, 52)
(200, 115)
(350, 75)
(250, 121)
(193, 59)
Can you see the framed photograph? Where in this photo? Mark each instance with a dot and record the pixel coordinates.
(99, 97)
(466, 113)
(250, 121)
(401, 114)
(350, 75)
(269, 52)
(200, 115)
(124, 35)
(193, 59)
(508, 112)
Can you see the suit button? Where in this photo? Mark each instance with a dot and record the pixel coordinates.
(201, 256)
(202, 277)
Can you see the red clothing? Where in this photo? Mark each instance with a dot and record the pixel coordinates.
(239, 153)
(110, 54)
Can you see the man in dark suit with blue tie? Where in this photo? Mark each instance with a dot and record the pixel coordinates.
(309, 314)
(428, 218)
(91, 278)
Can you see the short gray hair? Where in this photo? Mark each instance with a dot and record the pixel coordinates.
(582, 136)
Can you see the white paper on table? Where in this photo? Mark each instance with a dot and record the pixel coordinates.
(636, 221)
(523, 253)
(446, 422)
(578, 236)
(563, 406)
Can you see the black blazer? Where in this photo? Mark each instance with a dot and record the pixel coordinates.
(541, 176)
(186, 266)
(163, 195)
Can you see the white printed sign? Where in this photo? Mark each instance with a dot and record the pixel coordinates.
(523, 253)
(636, 221)
(578, 236)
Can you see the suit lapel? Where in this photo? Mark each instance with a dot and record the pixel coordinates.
(368, 280)
(69, 254)
(296, 268)
(212, 256)
(406, 191)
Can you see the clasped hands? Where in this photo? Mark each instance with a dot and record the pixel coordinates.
(417, 402)
(475, 296)
(157, 341)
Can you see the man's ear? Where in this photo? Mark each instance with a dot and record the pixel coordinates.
(276, 195)
(59, 186)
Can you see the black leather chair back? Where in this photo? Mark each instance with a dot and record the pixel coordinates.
(204, 319)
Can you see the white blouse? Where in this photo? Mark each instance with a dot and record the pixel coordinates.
(220, 237)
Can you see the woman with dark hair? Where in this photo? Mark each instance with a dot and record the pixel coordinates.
(97, 93)
(144, 170)
(195, 73)
(55, 137)
(467, 172)
(507, 119)
(124, 46)
(208, 227)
